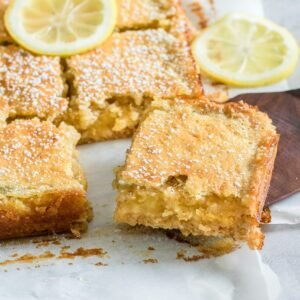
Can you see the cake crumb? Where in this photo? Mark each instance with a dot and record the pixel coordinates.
(65, 247)
(150, 261)
(181, 255)
(28, 258)
(81, 252)
(98, 264)
(46, 242)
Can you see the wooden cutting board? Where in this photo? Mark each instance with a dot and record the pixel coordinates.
(284, 109)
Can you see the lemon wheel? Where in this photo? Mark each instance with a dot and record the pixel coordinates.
(60, 27)
(243, 50)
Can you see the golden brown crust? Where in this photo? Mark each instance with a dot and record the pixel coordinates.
(42, 186)
(55, 212)
(266, 216)
(260, 186)
(264, 168)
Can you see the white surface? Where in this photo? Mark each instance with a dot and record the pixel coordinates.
(239, 275)
(287, 211)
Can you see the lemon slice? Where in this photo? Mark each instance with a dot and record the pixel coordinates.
(243, 50)
(60, 27)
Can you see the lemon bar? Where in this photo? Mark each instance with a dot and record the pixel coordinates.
(112, 85)
(33, 86)
(42, 186)
(139, 14)
(201, 168)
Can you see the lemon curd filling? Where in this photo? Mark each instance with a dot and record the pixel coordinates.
(171, 207)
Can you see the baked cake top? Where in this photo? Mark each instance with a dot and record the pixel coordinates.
(35, 154)
(147, 63)
(220, 149)
(31, 85)
(137, 14)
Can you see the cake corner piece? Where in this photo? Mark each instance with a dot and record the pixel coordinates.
(201, 168)
(43, 188)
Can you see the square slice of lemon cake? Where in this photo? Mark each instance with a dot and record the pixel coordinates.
(42, 186)
(199, 167)
(32, 86)
(112, 85)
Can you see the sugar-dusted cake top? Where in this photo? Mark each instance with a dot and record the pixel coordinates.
(146, 63)
(220, 150)
(35, 154)
(31, 85)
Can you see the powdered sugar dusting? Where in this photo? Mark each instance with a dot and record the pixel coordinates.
(214, 149)
(31, 85)
(34, 152)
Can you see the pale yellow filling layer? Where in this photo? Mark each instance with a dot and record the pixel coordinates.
(173, 208)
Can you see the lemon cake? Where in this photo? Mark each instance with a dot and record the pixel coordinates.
(199, 167)
(42, 186)
(32, 86)
(112, 85)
